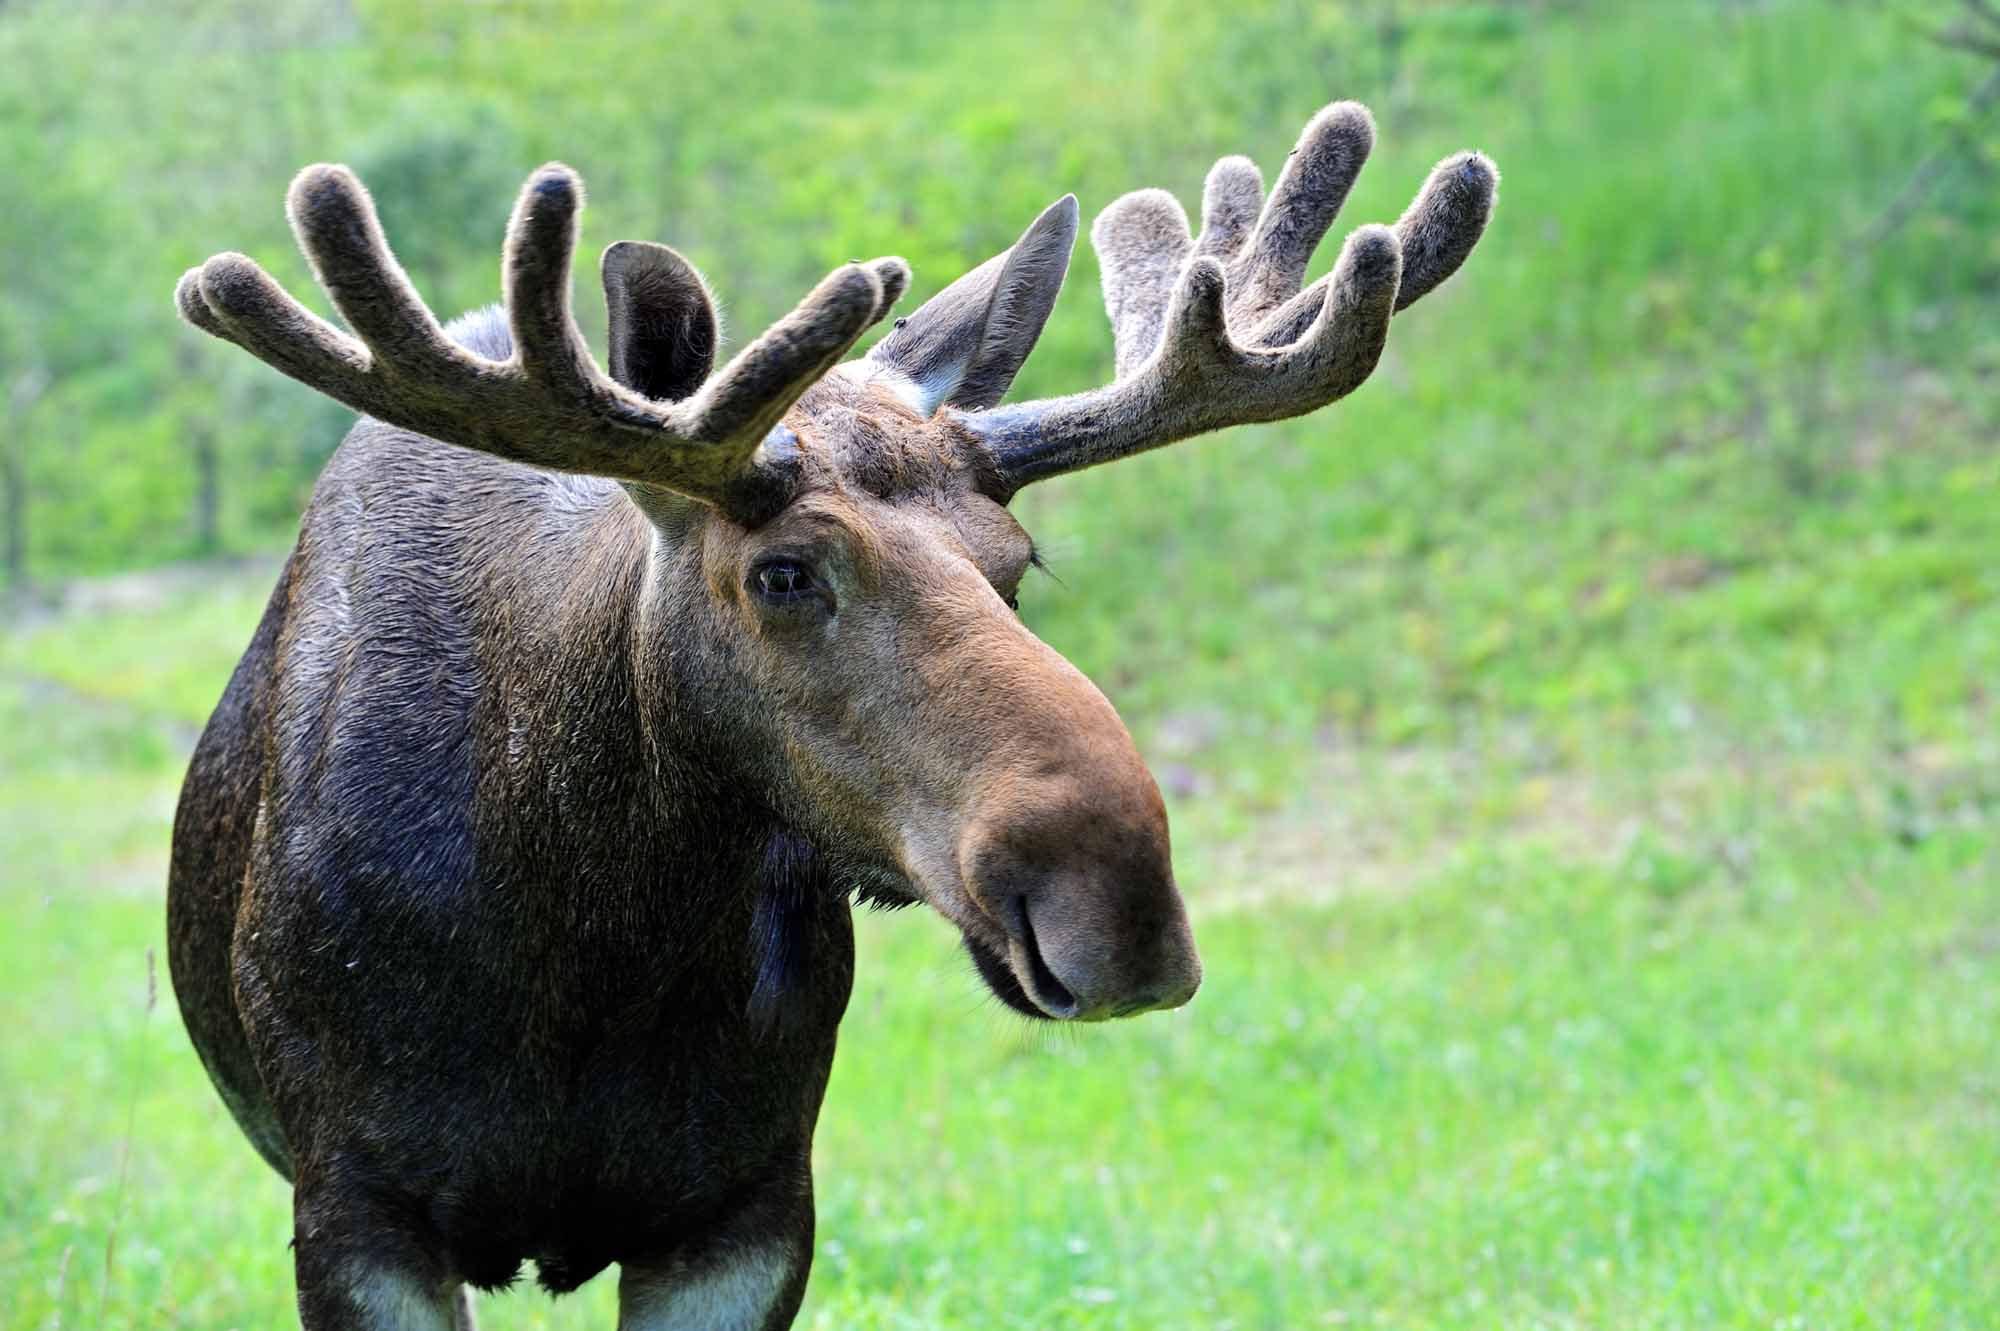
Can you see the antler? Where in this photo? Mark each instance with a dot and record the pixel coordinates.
(1213, 331)
(549, 404)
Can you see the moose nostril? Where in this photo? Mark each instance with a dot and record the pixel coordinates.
(1050, 993)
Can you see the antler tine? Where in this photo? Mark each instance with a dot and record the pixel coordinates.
(549, 405)
(1231, 199)
(1311, 188)
(1444, 222)
(1437, 233)
(335, 223)
(194, 306)
(541, 242)
(1346, 341)
(232, 298)
(1213, 331)
(1142, 244)
(755, 389)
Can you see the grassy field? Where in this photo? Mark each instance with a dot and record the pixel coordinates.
(1581, 744)
(1480, 1045)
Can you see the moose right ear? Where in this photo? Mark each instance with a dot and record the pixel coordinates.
(663, 327)
(965, 344)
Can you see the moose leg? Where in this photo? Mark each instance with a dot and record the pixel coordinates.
(749, 1289)
(751, 1277)
(358, 1271)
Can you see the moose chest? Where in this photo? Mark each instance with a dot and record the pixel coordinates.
(581, 1086)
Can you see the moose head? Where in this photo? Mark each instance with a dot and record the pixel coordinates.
(832, 572)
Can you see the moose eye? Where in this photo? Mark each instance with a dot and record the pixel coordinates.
(784, 580)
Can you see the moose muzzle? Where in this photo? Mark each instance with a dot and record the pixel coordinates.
(1071, 862)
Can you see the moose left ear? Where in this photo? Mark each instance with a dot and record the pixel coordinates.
(964, 346)
(663, 327)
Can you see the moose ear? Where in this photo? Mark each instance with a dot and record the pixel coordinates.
(965, 344)
(663, 326)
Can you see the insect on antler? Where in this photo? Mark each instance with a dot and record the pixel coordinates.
(1213, 331)
(549, 404)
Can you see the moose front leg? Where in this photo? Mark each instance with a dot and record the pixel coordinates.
(383, 1298)
(359, 1270)
(750, 1277)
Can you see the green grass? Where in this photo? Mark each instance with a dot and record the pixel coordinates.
(1581, 744)
(1723, 1072)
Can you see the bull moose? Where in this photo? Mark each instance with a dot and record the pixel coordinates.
(510, 898)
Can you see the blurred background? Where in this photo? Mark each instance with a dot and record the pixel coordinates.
(1581, 742)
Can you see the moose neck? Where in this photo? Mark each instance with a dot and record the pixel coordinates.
(594, 639)
(621, 806)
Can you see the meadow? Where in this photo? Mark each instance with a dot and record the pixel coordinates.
(1581, 743)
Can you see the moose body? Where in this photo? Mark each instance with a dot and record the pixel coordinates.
(505, 988)
(509, 907)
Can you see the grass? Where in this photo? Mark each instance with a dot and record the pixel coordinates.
(1723, 1073)
(1581, 743)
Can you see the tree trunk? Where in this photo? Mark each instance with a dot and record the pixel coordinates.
(207, 462)
(208, 493)
(22, 394)
(13, 510)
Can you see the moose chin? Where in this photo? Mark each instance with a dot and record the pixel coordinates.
(510, 899)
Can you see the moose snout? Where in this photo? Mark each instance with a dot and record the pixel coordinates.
(1079, 966)
(1085, 898)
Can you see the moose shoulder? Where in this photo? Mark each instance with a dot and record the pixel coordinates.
(509, 907)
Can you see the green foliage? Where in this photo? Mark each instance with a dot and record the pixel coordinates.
(1581, 741)
(694, 125)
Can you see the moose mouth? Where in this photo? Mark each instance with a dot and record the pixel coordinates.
(1021, 980)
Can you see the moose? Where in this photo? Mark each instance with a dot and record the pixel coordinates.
(511, 890)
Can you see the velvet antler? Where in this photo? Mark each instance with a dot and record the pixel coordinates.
(549, 404)
(1213, 331)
